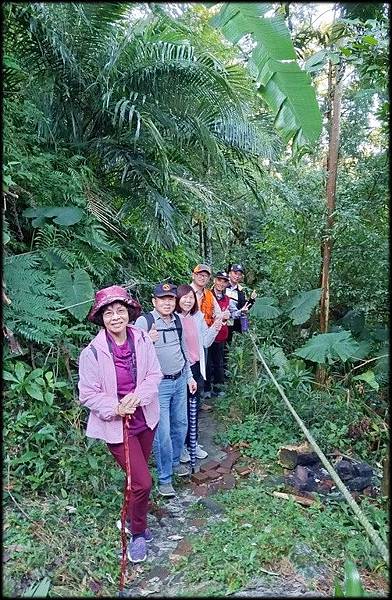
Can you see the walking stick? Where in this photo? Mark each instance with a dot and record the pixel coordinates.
(127, 498)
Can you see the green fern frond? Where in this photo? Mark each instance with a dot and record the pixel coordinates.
(32, 312)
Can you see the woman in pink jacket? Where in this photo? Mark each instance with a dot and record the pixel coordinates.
(119, 375)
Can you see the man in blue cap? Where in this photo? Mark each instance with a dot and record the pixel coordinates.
(235, 292)
(165, 330)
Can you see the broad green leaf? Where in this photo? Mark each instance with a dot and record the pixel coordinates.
(328, 347)
(316, 62)
(20, 371)
(364, 347)
(283, 85)
(49, 397)
(74, 289)
(9, 377)
(264, 308)
(369, 39)
(38, 589)
(302, 305)
(36, 373)
(278, 357)
(352, 582)
(34, 391)
(338, 591)
(92, 461)
(63, 215)
(369, 377)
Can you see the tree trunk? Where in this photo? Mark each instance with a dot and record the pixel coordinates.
(385, 477)
(335, 94)
(201, 238)
(208, 245)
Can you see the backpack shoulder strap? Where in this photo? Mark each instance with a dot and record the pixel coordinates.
(94, 351)
(149, 318)
(178, 325)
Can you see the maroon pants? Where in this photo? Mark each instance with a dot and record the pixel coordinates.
(139, 450)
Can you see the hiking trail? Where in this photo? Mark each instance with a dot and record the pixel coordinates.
(173, 527)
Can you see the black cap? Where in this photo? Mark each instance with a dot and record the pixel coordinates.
(165, 289)
(222, 275)
(237, 268)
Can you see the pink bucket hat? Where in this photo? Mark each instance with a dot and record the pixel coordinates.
(114, 293)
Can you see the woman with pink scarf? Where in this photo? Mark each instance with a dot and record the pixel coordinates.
(119, 375)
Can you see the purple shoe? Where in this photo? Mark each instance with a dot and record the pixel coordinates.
(137, 550)
(148, 535)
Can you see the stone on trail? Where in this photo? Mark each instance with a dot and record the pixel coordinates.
(213, 475)
(213, 506)
(183, 549)
(212, 464)
(223, 470)
(292, 455)
(201, 490)
(199, 477)
(243, 471)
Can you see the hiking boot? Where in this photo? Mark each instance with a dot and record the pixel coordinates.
(167, 490)
(137, 550)
(181, 470)
(200, 453)
(185, 458)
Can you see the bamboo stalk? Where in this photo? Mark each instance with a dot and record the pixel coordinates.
(381, 547)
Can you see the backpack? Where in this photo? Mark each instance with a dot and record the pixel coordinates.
(150, 321)
(178, 327)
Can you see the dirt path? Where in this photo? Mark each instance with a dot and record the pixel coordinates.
(172, 526)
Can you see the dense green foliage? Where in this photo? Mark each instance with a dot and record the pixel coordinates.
(137, 142)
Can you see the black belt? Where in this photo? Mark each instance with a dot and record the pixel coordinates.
(175, 376)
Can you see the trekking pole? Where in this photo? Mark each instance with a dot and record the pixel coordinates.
(127, 498)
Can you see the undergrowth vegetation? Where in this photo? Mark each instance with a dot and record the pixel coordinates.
(138, 141)
(258, 531)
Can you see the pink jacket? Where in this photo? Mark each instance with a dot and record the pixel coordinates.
(98, 386)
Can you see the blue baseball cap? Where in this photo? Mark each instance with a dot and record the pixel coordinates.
(165, 289)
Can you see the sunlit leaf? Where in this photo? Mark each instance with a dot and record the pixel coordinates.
(264, 308)
(301, 307)
(370, 379)
(283, 85)
(75, 290)
(328, 347)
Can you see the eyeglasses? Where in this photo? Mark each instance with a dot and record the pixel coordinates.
(202, 274)
(109, 314)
